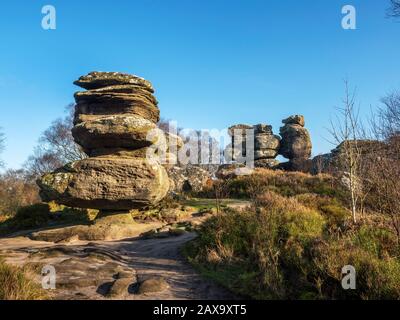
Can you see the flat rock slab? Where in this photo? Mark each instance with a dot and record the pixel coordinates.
(89, 270)
(98, 79)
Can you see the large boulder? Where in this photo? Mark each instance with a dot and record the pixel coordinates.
(87, 110)
(296, 141)
(296, 119)
(106, 183)
(114, 131)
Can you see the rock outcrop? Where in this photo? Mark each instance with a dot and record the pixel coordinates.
(265, 145)
(188, 178)
(115, 123)
(296, 142)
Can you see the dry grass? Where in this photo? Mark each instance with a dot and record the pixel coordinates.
(16, 284)
(295, 239)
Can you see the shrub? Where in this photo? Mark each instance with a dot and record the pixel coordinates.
(283, 248)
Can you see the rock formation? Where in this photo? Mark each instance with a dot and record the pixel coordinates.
(115, 123)
(236, 150)
(296, 142)
(265, 147)
(188, 178)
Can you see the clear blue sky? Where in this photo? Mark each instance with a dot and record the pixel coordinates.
(213, 63)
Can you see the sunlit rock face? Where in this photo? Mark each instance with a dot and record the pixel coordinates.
(296, 141)
(115, 123)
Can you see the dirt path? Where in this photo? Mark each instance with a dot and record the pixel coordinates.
(87, 270)
(118, 269)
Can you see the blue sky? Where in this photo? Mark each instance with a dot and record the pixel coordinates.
(213, 63)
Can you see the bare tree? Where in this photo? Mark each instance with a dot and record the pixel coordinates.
(347, 131)
(56, 147)
(394, 10)
(385, 123)
(383, 162)
(16, 191)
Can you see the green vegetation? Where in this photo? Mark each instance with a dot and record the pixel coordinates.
(293, 245)
(17, 284)
(44, 215)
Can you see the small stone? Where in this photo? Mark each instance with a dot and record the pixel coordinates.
(151, 285)
(119, 287)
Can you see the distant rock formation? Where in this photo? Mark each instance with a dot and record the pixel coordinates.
(294, 143)
(265, 144)
(113, 120)
(337, 159)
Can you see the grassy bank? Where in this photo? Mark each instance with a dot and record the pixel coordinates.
(294, 244)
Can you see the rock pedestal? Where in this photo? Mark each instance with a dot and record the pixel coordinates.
(115, 123)
(296, 142)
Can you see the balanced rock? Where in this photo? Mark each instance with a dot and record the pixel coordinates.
(115, 124)
(296, 119)
(296, 141)
(266, 144)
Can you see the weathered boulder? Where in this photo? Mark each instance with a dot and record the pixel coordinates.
(266, 163)
(114, 131)
(296, 119)
(188, 178)
(336, 160)
(266, 141)
(239, 129)
(262, 128)
(296, 141)
(106, 183)
(97, 79)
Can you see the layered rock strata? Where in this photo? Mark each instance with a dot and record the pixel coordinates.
(116, 125)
